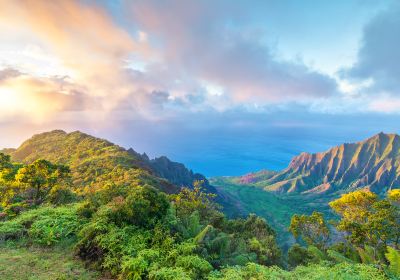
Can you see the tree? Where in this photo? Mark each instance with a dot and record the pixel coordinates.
(298, 255)
(40, 177)
(355, 209)
(394, 199)
(8, 189)
(5, 161)
(188, 201)
(312, 229)
(394, 196)
(355, 206)
(367, 219)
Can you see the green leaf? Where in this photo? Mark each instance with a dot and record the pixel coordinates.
(393, 256)
(200, 237)
(338, 257)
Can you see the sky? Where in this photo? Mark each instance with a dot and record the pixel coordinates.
(226, 87)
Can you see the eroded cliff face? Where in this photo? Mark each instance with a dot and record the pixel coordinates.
(373, 163)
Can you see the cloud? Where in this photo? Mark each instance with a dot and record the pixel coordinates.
(388, 105)
(158, 59)
(202, 40)
(378, 57)
(8, 73)
(86, 40)
(36, 98)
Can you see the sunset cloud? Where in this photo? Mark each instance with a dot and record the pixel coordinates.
(185, 50)
(200, 39)
(36, 98)
(176, 73)
(91, 47)
(159, 60)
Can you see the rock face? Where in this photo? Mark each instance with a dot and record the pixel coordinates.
(373, 163)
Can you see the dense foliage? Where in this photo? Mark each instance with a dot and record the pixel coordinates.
(121, 221)
(370, 229)
(134, 231)
(94, 162)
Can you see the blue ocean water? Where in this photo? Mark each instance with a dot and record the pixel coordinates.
(238, 145)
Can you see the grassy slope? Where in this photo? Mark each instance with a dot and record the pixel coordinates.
(93, 161)
(36, 263)
(277, 210)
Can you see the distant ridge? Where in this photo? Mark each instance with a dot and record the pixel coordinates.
(373, 163)
(175, 172)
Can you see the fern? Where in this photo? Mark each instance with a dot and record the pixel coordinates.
(338, 257)
(200, 237)
(317, 253)
(393, 257)
(367, 255)
(194, 226)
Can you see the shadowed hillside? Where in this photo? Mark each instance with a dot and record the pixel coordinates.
(175, 172)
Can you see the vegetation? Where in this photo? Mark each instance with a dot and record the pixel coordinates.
(17, 261)
(242, 200)
(370, 228)
(312, 229)
(373, 163)
(94, 162)
(120, 223)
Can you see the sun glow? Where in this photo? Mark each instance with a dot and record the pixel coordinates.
(9, 100)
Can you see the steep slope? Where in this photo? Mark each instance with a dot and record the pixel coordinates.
(174, 172)
(373, 163)
(96, 162)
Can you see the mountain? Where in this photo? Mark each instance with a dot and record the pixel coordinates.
(252, 178)
(174, 172)
(94, 161)
(373, 164)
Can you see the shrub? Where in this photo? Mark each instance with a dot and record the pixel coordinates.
(338, 271)
(169, 273)
(196, 266)
(59, 195)
(14, 209)
(298, 255)
(311, 272)
(44, 225)
(51, 229)
(11, 230)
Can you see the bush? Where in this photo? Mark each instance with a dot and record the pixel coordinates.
(12, 210)
(44, 225)
(197, 266)
(249, 272)
(311, 272)
(61, 195)
(169, 273)
(51, 229)
(338, 271)
(11, 230)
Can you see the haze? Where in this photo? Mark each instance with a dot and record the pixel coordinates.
(224, 87)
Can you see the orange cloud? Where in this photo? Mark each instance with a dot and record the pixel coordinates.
(37, 98)
(85, 39)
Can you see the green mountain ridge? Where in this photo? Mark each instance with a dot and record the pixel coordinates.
(94, 161)
(373, 164)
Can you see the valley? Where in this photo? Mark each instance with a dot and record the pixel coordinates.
(242, 199)
(98, 203)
